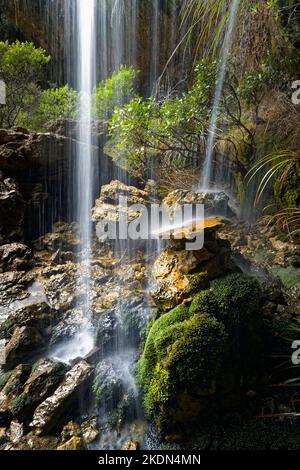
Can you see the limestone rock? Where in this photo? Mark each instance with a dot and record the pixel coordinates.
(70, 430)
(215, 203)
(44, 379)
(90, 430)
(54, 410)
(15, 257)
(12, 209)
(131, 445)
(64, 237)
(75, 443)
(40, 316)
(108, 209)
(14, 287)
(24, 342)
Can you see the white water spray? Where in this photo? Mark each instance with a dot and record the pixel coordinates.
(208, 162)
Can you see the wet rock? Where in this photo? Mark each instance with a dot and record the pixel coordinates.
(24, 342)
(90, 430)
(69, 324)
(15, 257)
(13, 287)
(178, 272)
(12, 209)
(70, 430)
(61, 285)
(15, 432)
(64, 237)
(44, 379)
(131, 445)
(54, 410)
(215, 203)
(75, 443)
(33, 442)
(39, 316)
(108, 208)
(11, 390)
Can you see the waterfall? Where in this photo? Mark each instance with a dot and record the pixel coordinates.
(208, 161)
(82, 35)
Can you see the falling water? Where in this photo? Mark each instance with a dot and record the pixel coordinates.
(208, 161)
(84, 35)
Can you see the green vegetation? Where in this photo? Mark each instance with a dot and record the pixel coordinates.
(4, 378)
(21, 68)
(187, 349)
(19, 405)
(54, 104)
(146, 133)
(117, 90)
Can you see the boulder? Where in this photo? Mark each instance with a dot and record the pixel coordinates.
(61, 285)
(108, 208)
(15, 257)
(44, 379)
(90, 430)
(215, 203)
(70, 430)
(131, 445)
(53, 412)
(39, 316)
(64, 237)
(179, 272)
(13, 386)
(24, 343)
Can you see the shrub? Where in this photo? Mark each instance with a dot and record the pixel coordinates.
(21, 67)
(54, 104)
(117, 90)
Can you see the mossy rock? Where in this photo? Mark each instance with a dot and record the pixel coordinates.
(18, 407)
(4, 378)
(198, 350)
(181, 351)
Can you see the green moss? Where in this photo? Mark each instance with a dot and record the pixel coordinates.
(192, 346)
(198, 281)
(181, 351)
(237, 296)
(289, 276)
(14, 387)
(4, 379)
(204, 302)
(19, 404)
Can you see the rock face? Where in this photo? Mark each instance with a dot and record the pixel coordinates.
(215, 203)
(39, 316)
(12, 210)
(178, 272)
(50, 414)
(25, 342)
(43, 380)
(108, 209)
(15, 257)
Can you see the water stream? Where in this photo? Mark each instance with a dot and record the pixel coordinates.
(206, 180)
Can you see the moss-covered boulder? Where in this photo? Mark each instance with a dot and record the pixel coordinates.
(182, 352)
(203, 354)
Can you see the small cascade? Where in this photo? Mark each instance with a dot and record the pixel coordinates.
(206, 182)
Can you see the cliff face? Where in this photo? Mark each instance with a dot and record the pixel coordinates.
(44, 22)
